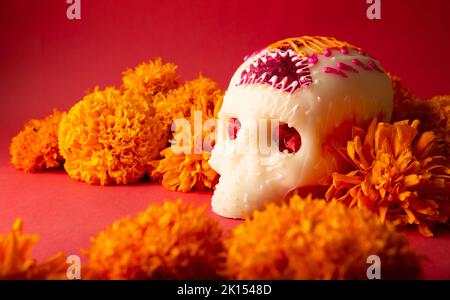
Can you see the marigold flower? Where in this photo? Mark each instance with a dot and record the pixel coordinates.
(35, 148)
(201, 94)
(405, 101)
(188, 169)
(169, 241)
(395, 176)
(312, 239)
(434, 113)
(106, 139)
(15, 249)
(435, 116)
(150, 78)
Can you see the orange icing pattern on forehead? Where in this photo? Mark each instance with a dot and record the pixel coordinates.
(307, 45)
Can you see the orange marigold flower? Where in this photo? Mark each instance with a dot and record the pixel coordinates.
(169, 241)
(187, 168)
(312, 239)
(405, 101)
(435, 115)
(15, 249)
(150, 78)
(395, 176)
(35, 148)
(201, 94)
(106, 139)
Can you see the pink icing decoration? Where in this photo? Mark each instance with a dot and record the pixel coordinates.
(344, 50)
(327, 52)
(313, 59)
(361, 64)
(374, 66)
(344, 67)
(284, 70)
(334, 71)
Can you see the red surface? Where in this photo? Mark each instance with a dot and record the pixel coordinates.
(48, 61)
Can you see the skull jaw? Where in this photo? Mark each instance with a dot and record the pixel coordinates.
(218, 204)
(238, 193)
(242, 200)
(228, 206)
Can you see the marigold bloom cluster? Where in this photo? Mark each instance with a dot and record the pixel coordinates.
(433, 113)
(106, 139)
(169, 241)
(312, 239)
(150, 78)
(395, 175)
(187, 170)
(405, 101)
(201, 94)
(35, 148)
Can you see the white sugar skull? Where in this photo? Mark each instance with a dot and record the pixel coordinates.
(312, 86)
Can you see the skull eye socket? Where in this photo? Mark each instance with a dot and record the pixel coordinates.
(288, 139)
(233, 126)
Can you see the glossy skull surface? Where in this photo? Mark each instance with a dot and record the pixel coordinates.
(312, 86)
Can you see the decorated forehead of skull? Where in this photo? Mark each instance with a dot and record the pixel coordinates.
(312, 86)
(286, 65)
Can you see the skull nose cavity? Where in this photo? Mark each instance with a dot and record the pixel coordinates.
(288, 138)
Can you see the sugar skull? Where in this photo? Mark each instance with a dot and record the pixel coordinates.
(306, 90)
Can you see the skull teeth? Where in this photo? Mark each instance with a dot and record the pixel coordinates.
(292, 86)
(273, 80)
(252, 74)
(305, 78)
(261, 78)
(282, 83)
(252, 79)
(301, 70)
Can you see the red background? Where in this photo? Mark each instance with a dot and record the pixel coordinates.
(49, 61)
